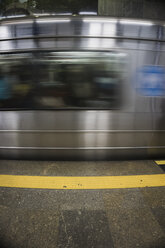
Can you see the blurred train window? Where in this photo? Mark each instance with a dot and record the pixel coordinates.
(51, 80)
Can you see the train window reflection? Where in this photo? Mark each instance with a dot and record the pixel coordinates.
(62, 80)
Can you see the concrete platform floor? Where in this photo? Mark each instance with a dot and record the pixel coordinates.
(118, 218)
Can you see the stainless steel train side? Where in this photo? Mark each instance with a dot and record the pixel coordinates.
(134, 130)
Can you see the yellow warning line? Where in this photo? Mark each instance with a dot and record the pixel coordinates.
(102, 182)
(160, 162)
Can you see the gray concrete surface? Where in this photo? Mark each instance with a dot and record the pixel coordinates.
(118, 218)
(76, 168)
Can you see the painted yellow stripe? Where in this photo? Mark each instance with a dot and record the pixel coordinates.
(160, 162)
(108, 182)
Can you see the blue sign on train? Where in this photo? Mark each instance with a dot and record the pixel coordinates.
(151, 80)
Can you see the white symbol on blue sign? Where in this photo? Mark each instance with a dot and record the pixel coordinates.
(151, 80)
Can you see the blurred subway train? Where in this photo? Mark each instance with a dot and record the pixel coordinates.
(84, 87)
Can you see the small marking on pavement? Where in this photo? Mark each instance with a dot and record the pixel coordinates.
(99, 182)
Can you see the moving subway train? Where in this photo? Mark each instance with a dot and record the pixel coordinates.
(82, 88)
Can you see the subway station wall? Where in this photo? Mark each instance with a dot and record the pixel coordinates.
(147, 9)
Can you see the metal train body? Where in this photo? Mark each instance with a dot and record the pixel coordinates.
(135, 128)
